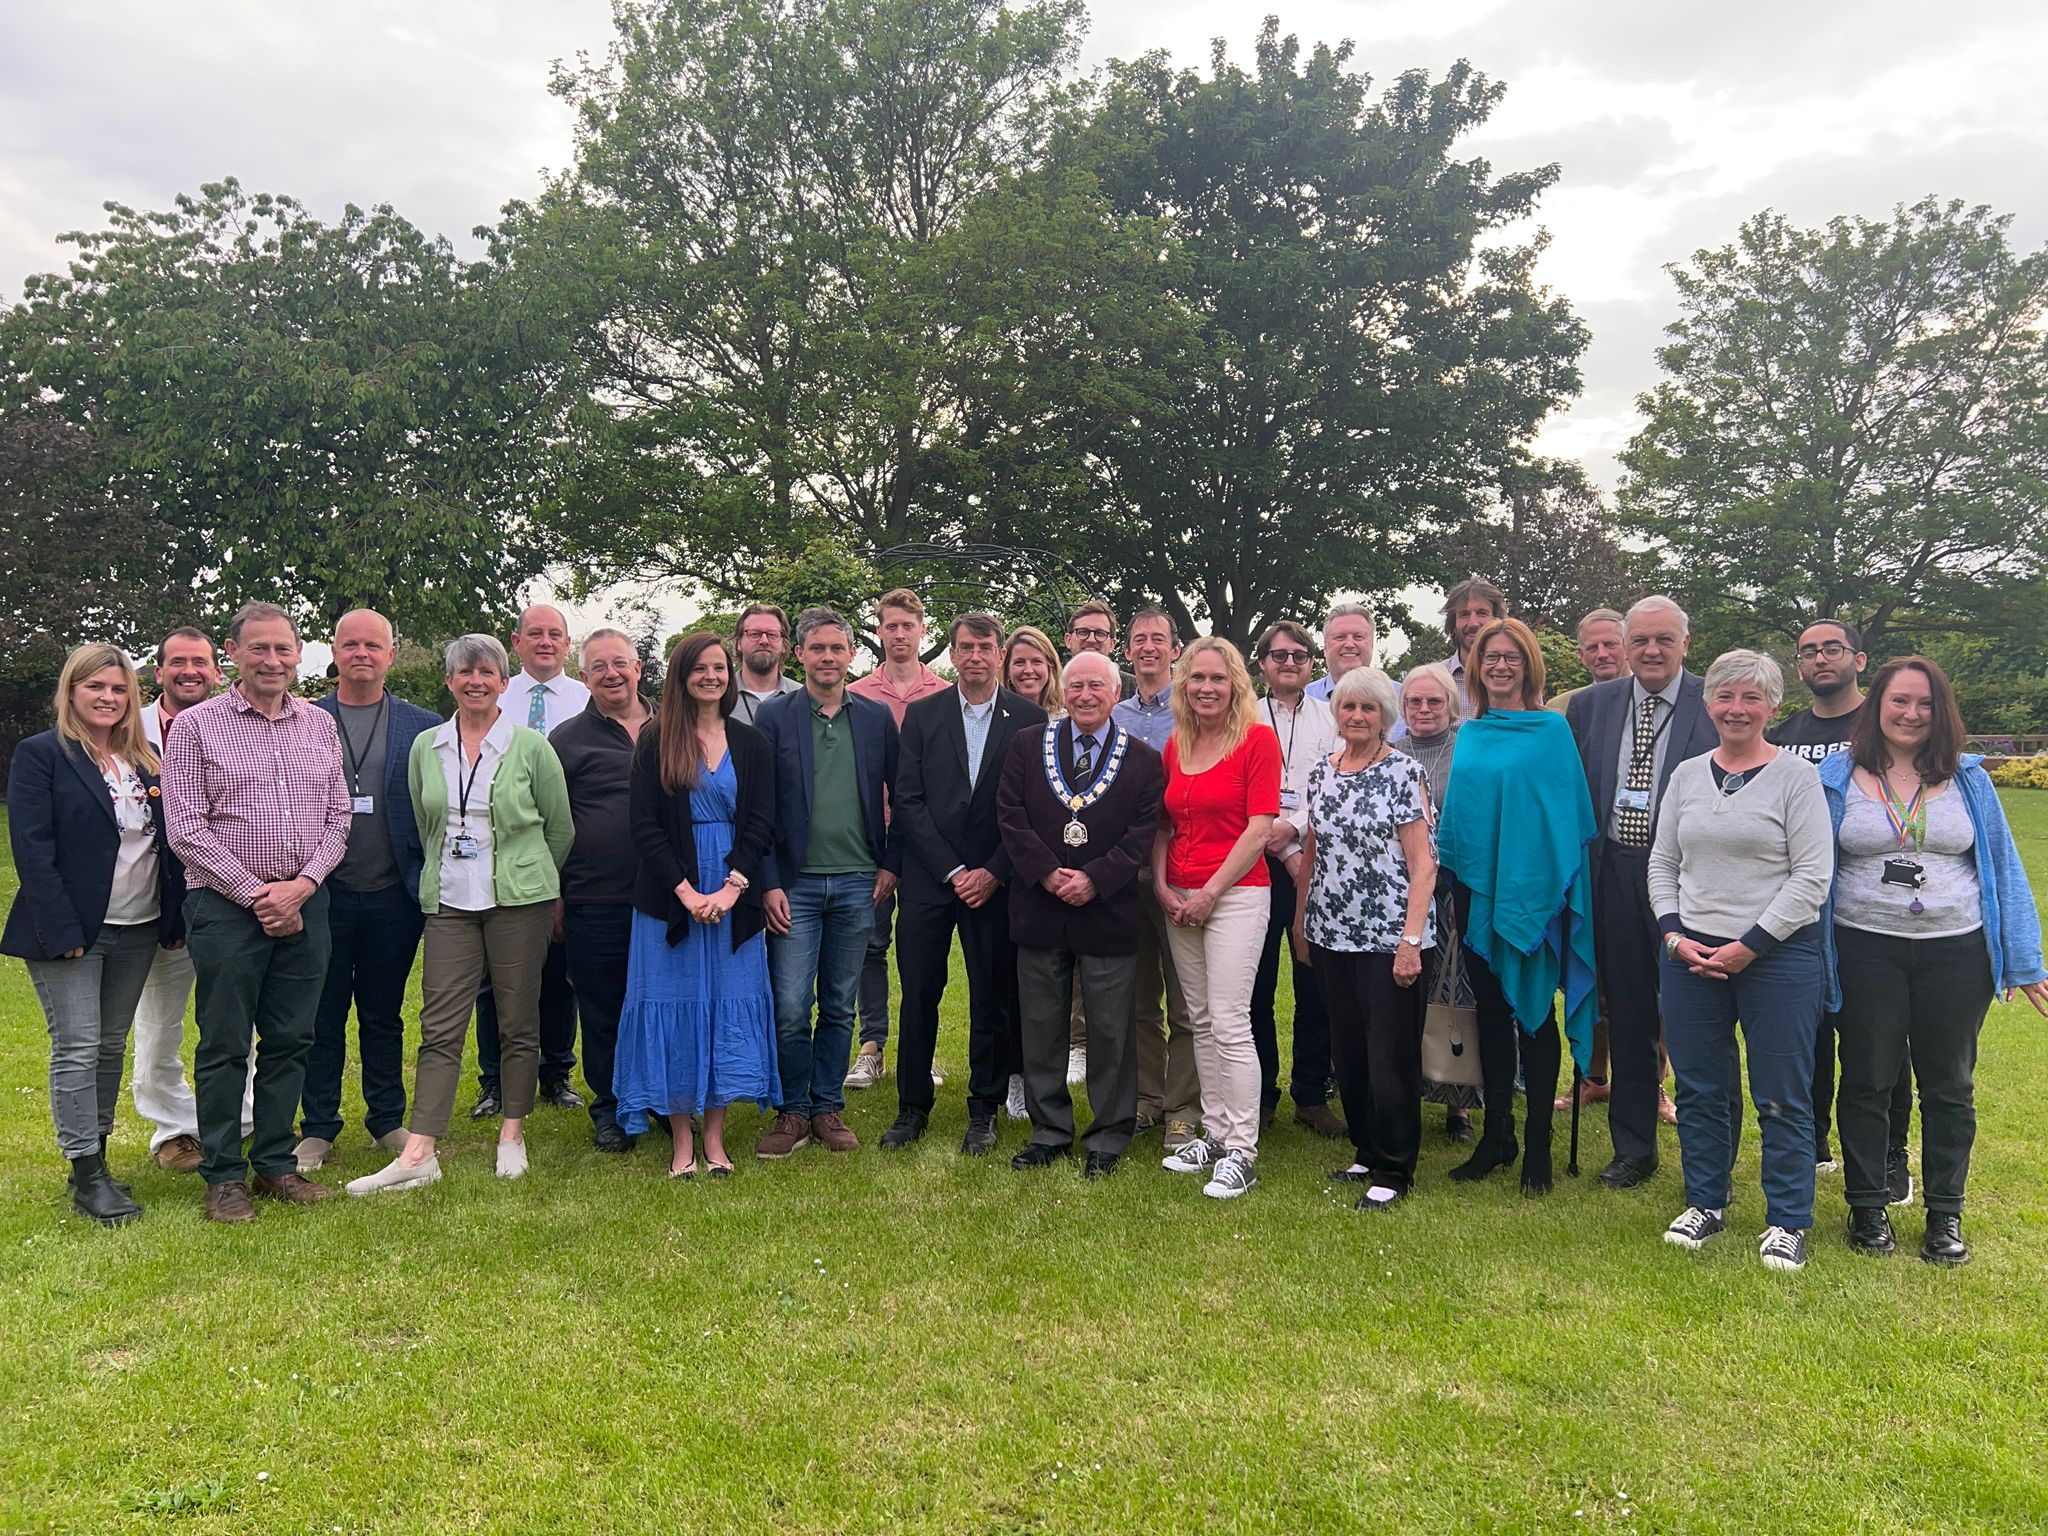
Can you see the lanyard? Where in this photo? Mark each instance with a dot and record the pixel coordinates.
(1908, 819)
(466, 785)
(1293, 724)
(355, 758)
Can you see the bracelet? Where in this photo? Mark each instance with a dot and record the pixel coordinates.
(735, 878)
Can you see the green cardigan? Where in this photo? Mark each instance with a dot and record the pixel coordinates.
(531, 829)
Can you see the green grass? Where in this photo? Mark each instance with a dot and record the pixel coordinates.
(919, 1343)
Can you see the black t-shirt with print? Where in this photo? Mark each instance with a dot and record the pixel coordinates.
(1812, 737)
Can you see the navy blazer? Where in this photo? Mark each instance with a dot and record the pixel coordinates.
(948, 822)
(1599, 714)
(406, 722)
(786, 722)
(60, 821)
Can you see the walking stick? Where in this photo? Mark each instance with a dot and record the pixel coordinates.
(1572, 1167)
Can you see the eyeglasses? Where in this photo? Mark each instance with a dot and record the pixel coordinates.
(1502, 659)
(1834, 650)
(598, 668)
(1093, 634)
(1288, 658)
(760, 634)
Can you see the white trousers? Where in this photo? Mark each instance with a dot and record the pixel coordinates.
(162, 1095)
(1217, 964)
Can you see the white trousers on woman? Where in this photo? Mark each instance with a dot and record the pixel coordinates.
(162, 1095)
(1217, 964)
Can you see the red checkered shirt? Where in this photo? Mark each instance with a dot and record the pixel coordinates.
(249, 801)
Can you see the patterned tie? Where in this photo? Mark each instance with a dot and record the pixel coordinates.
(1632, 826)
(1084, 765)
(537, 707)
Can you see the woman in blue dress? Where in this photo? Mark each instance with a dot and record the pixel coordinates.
(698, 1029)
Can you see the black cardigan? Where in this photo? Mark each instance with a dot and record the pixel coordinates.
(668, 844)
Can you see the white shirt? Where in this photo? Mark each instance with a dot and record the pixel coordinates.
(565, 698)
(1307, 734)
(134, 897)
(153, 724)
(466, 883)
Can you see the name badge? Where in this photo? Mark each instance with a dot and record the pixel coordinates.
(1290, 800)
(1632, 800)
(462, 846)
(363, 805)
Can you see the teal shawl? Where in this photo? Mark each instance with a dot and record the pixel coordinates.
(1517, 826)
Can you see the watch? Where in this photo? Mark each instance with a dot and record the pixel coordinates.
(1409, 938)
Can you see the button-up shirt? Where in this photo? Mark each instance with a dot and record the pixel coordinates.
(975, 720)
(1307, 733)
(250, 801)
(468, 885)
(562, 700)
(876, 686)
(1150, 720)
(597, 760)
(1660, 723)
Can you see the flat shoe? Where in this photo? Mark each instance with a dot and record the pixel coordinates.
(684, 1173)
(396, 1175)
(720, 1170)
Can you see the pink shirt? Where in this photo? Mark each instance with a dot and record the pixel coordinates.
(249, 801)
(876, 686)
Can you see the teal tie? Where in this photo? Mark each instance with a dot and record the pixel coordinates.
(537, 708)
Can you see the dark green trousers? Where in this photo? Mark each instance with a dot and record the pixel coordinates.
(252, 987)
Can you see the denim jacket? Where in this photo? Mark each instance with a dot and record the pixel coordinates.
(2012, 926)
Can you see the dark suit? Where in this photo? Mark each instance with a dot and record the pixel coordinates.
(1624, 928)
(1098, 940)
(949, 822)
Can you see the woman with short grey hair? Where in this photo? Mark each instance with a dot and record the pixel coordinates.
(1742, 861)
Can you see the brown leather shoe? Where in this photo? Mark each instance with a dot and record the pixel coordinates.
(229, 1202)
(789, 1133)
(1590, 1092)
(1666, 1110)
(834, 1132)
(178, 1155)
(291, 1187)
(1320, 1119)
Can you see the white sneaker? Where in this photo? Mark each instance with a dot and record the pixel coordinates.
(512, 1159)
(1077, 1066)
(867, 1069)
(1014, 1105)
(394, 1140)
(1782, 1248)
(312, 1152)
(397, 1175)
(1192, 1156)
(1235, 1175)
(1693, 1226)
(938, 1077)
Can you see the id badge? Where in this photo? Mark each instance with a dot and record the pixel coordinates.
(1632, 800)
(363, 805)
(1906, 873)
(462, 846)
(1290, 800)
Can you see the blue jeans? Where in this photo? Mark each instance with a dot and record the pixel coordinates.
(830, 920)
(596, 937)
(1777, 998)
(374, 938)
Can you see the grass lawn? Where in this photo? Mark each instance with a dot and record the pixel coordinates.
(921, 1343)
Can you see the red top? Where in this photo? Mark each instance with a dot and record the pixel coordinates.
(1209, 810)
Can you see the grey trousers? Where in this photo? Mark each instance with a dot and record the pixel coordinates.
(90, 1004)
(457, 948)
(1045, 981)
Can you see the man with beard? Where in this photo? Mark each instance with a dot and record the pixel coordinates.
(761, 641)
(1469, 607)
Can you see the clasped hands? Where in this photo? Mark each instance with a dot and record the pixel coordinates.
(277, 905)
(1071, 886)
(1189, 911)
(707, 909)
(975, 887)
(1718, 964)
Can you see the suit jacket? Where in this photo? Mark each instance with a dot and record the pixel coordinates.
(1601, 712)
(60, 821)
(666, 837)
(946, 821)
(1117, 855)
(786, 722)
(405, 722)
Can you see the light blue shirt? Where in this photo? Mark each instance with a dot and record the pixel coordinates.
(974, 720)
(1151, 721)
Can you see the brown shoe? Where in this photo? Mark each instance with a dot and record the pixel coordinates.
(229, 1202)
(1666, 1110)
(291, 1187)
(789, 1133)
(1320, 1119)
(834, 1132)
(178, 1155)
(1590, 1092)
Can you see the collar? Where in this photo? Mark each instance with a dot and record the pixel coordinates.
(599, 717)
(977, 711)
(1456, 664)
(240, 700)
(499, 736)
(1300, 702)
(1156, 701)
(530, 682)
(1669, 694)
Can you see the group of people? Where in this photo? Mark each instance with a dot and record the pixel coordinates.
(708, 882)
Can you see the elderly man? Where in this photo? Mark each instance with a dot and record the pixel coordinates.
(1347, 643)
(257, 855)
(761, 641)
(1632, 732)
(540, 696)
(1079, 804)
(373, 898)
(596, 906)
(1600, 653)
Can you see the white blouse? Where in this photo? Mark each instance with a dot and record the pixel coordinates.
(466, 884)
(134, 898)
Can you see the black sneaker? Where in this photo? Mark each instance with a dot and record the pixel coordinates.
(488, 1105)
(1782, 1248)
(1695, 1224)
(1898, 1178)
(561, 1095)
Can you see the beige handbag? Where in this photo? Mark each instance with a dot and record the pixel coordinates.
(1450, 1028)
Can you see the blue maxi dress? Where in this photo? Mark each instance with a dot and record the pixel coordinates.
(698, 1028)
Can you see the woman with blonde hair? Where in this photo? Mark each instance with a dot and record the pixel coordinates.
(100, 893)
(1209, 871)
(1031, 666)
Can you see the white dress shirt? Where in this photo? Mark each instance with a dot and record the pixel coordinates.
(466, 884)
(565, 700)
(1307, 733)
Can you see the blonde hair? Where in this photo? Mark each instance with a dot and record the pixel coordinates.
(129, 744)
(1244, 706)
(1054, 700)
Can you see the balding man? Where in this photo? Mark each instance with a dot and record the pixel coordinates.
(373, 898)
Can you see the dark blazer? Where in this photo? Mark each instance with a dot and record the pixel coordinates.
(406, 722)
(60, 821)
(1117, 855)
(667, 841)
(1600, 714)
(946, 821)
(786, 722)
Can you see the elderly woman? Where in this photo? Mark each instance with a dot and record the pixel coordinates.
(1031, 667)
(100, 894)
(493, 812)
(1428, 700)
(1513, 842)
(1209, 871)
(1737, 874)
(1364, 918)
(1931, 917)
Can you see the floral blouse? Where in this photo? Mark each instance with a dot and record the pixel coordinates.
(1358, 894)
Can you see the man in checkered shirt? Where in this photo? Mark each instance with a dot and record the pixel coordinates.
(257, 806)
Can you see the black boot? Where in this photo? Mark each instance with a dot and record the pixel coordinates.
(1493, 1152)
(95, 1195)
(120, 1184)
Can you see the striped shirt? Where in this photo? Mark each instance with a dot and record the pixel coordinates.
(250, 801)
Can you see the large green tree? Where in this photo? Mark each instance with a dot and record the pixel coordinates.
(319, 414)
(1854, 424)
(1548, 540)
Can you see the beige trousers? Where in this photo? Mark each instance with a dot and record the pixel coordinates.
(1218, 963)
(456, 950)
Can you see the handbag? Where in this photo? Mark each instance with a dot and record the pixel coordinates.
(1450, 1027)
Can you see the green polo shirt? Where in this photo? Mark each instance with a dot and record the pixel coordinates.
(839, 836)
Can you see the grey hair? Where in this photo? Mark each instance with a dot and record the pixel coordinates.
(1067, 672)
(1368, 683)
(1657, 602)
(1601, 616)
(258, 613)
(1350, 611)
(583, 650)
(1747, 667)
(1442, 674)
(814, 619)
(468, 651)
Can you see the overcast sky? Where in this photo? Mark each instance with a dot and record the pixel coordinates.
(1671, 123)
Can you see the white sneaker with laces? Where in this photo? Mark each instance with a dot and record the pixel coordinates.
(1695, 1224)
(1235, 1175)
(866, 1071)
(1077, 1066)
(1014, 1105)
(1782, 1248)
(1192, 1156)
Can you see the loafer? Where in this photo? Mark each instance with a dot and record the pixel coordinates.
(487, 1106)
(229, 1202)
(910, 1125)
(1944, 1243)
(1320, 1119)
(561, 1095)
(292, 1188)
(1100, 1165)
(1039, 1155)
(612, 1139)
(1870, 1231)
(1628, 1172)
(1381, 1197)
(1350, 1175)
(180, 1154)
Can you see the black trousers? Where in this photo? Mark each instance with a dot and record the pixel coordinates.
(373, 939)
(1503, 1042)
(1309, 1084)
(924, 952)
(557, 1026)
(1628, 947)
(1917, 999)
(1824, 1093)
(598, 938)
(1376, 1033)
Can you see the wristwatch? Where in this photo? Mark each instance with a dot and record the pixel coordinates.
(1671, 942)
(734, 877)
(1410, 938)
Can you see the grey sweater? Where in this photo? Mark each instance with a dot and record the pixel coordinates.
(1754, 865)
